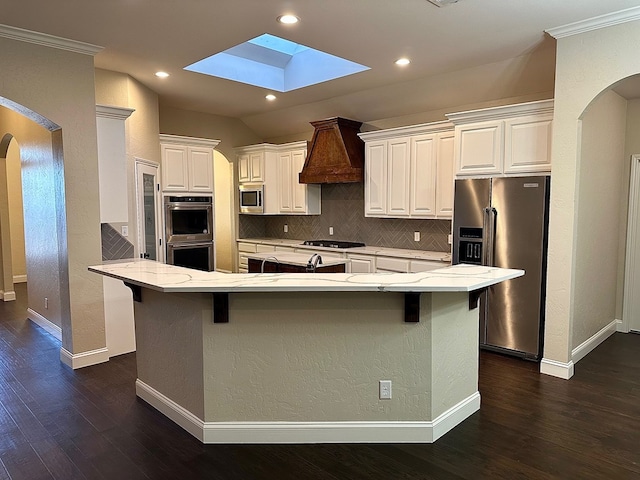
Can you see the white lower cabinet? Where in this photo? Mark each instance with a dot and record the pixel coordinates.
(425, 265)
(361, 263)
(243, 260)
(395, 265)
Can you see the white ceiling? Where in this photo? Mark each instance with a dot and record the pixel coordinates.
(142, 36)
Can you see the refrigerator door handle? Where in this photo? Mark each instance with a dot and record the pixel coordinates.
(489, 227)
(486, 235)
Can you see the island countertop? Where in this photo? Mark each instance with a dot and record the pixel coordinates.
(169, 278)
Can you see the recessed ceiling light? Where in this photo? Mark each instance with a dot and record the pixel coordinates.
(288, 19)
(270, 97)
(162, 74)
(403, 61)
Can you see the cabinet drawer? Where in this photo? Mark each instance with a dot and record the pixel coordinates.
(426, 265)
(246, 247)
(265, 248)
(386, 264)
(280, 248)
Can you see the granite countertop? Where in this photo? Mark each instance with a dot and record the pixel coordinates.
(169, 278)
(296, 258)
(444, 257)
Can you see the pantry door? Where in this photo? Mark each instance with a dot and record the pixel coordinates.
(631, 302)
(149, 207)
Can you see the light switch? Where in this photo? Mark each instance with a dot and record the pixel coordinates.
(125, 230)
(416, 236)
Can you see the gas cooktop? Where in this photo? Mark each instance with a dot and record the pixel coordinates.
(333, 243)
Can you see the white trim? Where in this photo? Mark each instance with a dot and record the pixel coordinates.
(591, 343)
(556, 369)
(595, 23)
(309, 432)
(8, 296)
(38, 38)
(19, 279)
(435, 127)
(84, 359)
(45, 323)
(540, 107)
(620, 326)
(189, 141)
(109, 111)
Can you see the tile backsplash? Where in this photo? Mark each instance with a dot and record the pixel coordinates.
(114, 245)
(343, 209)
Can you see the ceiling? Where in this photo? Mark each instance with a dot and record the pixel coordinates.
(141, 37)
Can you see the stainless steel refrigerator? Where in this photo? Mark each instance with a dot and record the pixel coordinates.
(503, 222)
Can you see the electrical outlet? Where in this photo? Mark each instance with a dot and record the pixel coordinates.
(125, 230)
(385, 389)
(330, 230)
(286, 228)
(416, 236)
(46, 302)
(449, 239)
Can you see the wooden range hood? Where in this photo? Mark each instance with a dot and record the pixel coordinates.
(336, 153)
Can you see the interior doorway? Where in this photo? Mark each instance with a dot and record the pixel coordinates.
(631, 302)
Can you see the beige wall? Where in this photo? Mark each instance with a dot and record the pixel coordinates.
(224, 212)
(38, 78)
(601, 174)
(16, 217)
(587, 64)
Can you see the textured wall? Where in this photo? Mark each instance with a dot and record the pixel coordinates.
(587, 64)
(343, 208)
(602, 169)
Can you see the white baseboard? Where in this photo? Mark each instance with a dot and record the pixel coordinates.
(7, 296)
(45, 323)
(19, 279)
(556, 369)
(620, 327)
(591, 343)
(84, 359)
(309, 432)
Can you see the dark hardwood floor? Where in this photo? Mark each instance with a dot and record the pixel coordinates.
(88, 424)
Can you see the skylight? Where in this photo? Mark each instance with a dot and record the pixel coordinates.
(275, 63)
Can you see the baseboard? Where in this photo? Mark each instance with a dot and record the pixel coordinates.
(309, 432)
(7, 296)
(556, 369)
(46, 324)
(591, 343)
(19, 279)
(620, 326)
(84, 359)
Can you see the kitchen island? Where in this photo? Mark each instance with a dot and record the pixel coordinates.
(286, 262)
(298, 358)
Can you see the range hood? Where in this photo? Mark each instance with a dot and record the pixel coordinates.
(336, 153)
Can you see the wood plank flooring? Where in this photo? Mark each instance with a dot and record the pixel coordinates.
(88, 424)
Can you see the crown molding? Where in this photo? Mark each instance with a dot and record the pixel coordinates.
(46, 40)
(119, 113)
(595, 23)
(423, 128)
(540, 107)
(188, 141)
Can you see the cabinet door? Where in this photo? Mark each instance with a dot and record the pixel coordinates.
(479, 148)
(244, 174)
(423, 176)
(375, 179)
(298, 190)
(444, 169)
(360, 264)
(284, 182)
(425, 265)
(200, 169)
(528, 144)
(398, 168)
(175, 176)
(256, 173)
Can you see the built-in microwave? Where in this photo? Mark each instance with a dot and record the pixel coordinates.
(251, 198)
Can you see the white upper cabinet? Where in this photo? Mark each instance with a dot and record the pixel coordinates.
(508, 140)
(187, 164)
(251, 167)
(404, 168)
(277, 168)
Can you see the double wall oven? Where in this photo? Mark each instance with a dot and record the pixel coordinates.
(189, 231)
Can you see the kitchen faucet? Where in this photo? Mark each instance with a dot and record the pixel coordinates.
(265, 259)
(313, 262)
